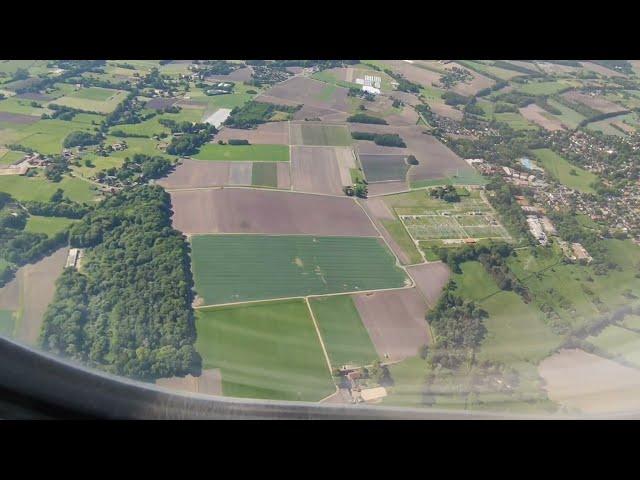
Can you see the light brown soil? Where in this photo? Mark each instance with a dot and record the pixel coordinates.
(540, 116)
(198, 173)
(315, 170)
(430, 279)
(37, 291)
(284, 175)
(395, 321)
(270, 133)
(239, 210)
(590, 383)
(597, 103)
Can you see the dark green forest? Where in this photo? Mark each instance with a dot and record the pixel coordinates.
(128, 311)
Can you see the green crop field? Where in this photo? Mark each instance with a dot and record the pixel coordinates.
(237, 268)
(561, 170)
(268, 350)
(311, 134)
(93, 99)
(47, 225)
(515, 330)
(574, 292)
(544, 88)
(39, 188)
(515, 121)
(95, 93)
(399, 233)
(569, 117)
(47, 136)
(264, 174)
(345, 337)
(10, 157)
(7, 322)
(254, 153)
(617, 340)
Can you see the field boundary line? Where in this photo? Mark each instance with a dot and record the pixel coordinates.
(324, 349)
(313, 295)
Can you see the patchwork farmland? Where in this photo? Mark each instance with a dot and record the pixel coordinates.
(321, 208)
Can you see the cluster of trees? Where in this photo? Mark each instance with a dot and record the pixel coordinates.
(187, 127)
(358, 92)
(57, 206)
(72, 73)
(448, 193)
(458, 324)
(504, 202)
(60, 112)
(136, 169)
(56, 168)
(18, 247)
(383, 139)
(81, 138)
(453, 98)
(253, 113)
(129, 312)
(364, 118)
(127, 111)
(454, 76)
(188, 144)
(267, 74)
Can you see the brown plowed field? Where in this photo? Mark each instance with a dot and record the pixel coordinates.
(266, 133)
(540, 116)
(395, 320)
(197, 174)
(597, 103)
(430, 279)
(239, 210)
(315, 170)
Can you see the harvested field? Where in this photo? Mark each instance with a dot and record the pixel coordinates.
(240, 173)
(446, 110)
(284, 175)
(385, 188)
(413, 72)
(10, 293)
(18, 118)
(36, 287)
(367, 147)
(408, 116)
(384, 168)
(590, 383)
(236, 210)
(198, 174)
(271, 133)
(478, 82)
(240, 268)
(306, 91)
(597, 103)
(160, 103)
(607, 72)
(540, 116)
(239, 75)
(209, 383)
(318, 170)
(436, 160)
(430, 279)
(395, 321)
(320, 134)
